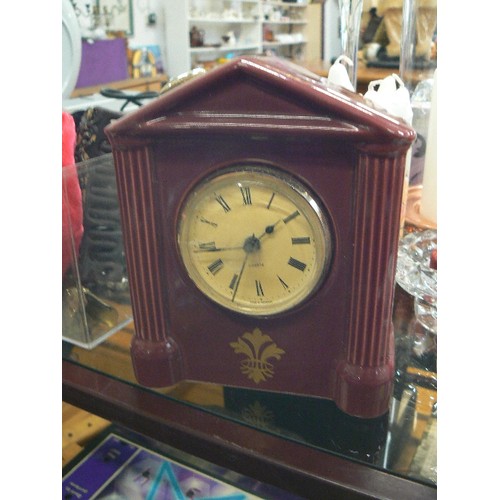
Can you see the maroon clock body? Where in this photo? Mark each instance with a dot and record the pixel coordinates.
(336, 344)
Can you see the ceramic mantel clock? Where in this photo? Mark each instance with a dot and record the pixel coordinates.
(260, 211)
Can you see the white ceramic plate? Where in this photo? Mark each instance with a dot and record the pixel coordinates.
(71, 48)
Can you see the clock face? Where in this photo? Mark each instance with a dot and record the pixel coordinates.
(254, 240)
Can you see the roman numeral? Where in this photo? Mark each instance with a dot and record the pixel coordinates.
(296, 264)
(233, 282)
(301, 241)
(210, 245)
(259, 289)
(283, 283)
(205, 221)
(222, 202)
(270, 201)
(215, 266)
(247, 196)
(287, 219)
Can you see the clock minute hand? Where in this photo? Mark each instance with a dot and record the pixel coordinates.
(216, 249)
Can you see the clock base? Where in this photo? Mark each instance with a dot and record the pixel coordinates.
(156, 364)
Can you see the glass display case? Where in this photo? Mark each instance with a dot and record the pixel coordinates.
(95, 290)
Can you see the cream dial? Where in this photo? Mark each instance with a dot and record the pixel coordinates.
(254, 241)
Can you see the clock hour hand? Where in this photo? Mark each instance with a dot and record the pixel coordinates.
(269, 229)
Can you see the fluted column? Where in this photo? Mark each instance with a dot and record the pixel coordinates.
(365, 377)
(155, 354)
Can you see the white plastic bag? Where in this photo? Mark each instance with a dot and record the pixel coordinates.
(390, 95)
(338, 73)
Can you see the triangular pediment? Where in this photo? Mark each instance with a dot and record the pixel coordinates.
(266, 94)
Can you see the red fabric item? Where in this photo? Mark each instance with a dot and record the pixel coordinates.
(72, 210)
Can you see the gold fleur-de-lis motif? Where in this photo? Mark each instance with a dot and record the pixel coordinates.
(258, 349)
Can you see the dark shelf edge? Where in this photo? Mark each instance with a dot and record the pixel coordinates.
(293, 467)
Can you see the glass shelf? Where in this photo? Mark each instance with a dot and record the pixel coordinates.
(284, 22)
(221, 20)
(281, 44)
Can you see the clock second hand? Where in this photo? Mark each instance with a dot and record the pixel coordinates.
(239, 276)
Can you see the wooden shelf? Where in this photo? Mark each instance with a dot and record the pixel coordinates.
(152, 83)
(78, 428)
(222, 48)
